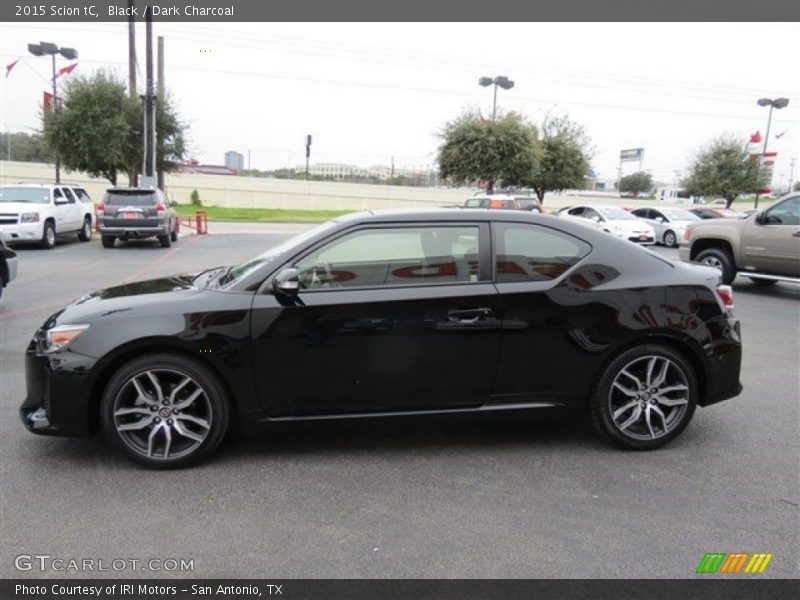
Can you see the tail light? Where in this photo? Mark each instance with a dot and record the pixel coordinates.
(100, 207)
(686, 233)
(725, 294)
(160, 208)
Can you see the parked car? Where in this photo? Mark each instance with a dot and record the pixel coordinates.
(612, 219)
(764, 247)
(707, 212)
(387, 313)
(135, 213)
(39, 213)
(668, 223)
(8, 265)
(505, 201)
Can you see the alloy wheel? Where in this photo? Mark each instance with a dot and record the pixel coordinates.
(51, 236)
(712, 261)
(649, 397)
(162, 414)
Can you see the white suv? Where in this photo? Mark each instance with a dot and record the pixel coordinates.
(31, 212)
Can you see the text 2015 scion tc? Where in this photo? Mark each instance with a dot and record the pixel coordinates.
(392, 313)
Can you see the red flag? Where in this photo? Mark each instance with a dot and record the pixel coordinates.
(481, 120)
(779, 135)
(10, 66)
(47, 101)
(66, 70)
(755, 138)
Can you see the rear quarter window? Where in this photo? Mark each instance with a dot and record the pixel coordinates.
(533, 253)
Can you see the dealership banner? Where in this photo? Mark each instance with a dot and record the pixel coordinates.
(751, 588)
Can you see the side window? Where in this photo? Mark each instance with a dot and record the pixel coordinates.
(82, 195)
(577, 212)
(785, 213)
(533, 253)
(590, 213)
(69, 196)
(508, 204)
(393, 257)
(57, 195)
(474, 203)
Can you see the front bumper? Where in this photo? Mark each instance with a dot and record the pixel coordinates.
(59, 391)
(11, 264)
(684, 252)
(23, 232)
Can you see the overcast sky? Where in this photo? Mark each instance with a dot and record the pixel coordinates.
(368, 92)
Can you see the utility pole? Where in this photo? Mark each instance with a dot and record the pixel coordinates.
(131, 51)
(391, 176)
(161, 96)
(149, 112)
(791, 171)
(249, 167)
(308, 152)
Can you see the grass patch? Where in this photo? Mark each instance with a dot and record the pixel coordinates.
(252, 215)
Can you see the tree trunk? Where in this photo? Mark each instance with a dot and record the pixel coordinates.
(729, 200)
(540, 195)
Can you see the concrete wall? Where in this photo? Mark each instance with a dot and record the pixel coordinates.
(228, 190)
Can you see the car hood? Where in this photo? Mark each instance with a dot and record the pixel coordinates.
(127, 297)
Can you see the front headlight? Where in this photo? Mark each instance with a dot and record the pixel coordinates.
(58, 338)
(32, 217)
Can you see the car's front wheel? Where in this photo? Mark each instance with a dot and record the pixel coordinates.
(165, 411)
(721, 260)
(645, 398)
(49, 235)
(670, 240)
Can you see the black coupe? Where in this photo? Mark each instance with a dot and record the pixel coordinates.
(392, 313)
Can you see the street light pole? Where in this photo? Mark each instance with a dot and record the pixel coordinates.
(501, 81)
(42, 49)
(778, 103)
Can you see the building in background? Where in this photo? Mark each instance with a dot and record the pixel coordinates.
(234, 160)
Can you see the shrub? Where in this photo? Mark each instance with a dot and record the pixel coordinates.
(195, 198)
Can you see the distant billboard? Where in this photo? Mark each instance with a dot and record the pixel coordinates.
(631, 154)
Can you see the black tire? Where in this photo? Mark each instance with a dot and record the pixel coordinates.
(85, 233)
(606, 401)
(49, 235)
(165, 240)
(117, 397)
(108, 241)
(719, 259)
(763, 283)
(173, 235)
(670, 239)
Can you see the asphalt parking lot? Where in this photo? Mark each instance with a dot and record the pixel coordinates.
(417, 498)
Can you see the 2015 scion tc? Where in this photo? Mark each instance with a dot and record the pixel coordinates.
(392, 313)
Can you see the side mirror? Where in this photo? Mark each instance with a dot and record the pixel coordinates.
(661, 220)
(173, 204)
(597, 219)
(287, 282)
(60, 201)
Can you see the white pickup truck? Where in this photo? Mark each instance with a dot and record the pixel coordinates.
(38, 213)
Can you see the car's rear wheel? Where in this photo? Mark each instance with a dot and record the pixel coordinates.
(165, 411)
(174, 234)
(645, 398)
(85, 233)
(49, 235)
(108, 241)
(165, 240)
(670, 240)
(720, 260)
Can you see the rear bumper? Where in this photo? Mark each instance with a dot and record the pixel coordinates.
(11, 263)
(724, 366)
(134, 232)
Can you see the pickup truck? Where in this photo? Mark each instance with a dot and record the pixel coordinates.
(764, 247)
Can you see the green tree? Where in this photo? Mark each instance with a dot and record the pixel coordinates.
(566, 152)
(24, 147)
(99, 129)
(637, 183)
(725, 168)
(505, 150)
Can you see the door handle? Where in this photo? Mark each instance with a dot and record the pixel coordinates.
(469, 315)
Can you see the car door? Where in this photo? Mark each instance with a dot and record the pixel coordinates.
(541, 356)
(73, 211)
(771, 240)
(594, 218)
(388, 318)
(60, 210)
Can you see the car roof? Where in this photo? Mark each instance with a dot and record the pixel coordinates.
(403, 215)
(131, 190)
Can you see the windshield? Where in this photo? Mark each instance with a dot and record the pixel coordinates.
(679, 214)
(142, 198)
(25, 194)
(614, 213)
(246, 268)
